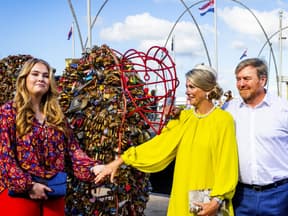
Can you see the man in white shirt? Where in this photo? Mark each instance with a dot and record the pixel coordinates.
(262, 134)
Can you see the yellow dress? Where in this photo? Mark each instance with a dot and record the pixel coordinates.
(206, 157)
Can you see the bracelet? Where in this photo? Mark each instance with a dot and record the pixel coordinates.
(218, 200)
(91, 169)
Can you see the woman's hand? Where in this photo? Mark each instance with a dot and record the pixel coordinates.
(208, 209)
(38, 191)
(101, 171)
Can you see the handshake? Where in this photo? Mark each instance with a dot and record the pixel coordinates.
(101, 171)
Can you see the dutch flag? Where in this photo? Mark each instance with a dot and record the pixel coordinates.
(208, 7)
(70, 33)
(244, 54)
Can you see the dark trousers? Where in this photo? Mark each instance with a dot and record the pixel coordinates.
(269, 202)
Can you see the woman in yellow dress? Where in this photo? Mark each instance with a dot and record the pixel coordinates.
(203, 143)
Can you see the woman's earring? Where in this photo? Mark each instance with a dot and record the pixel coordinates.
(207, 95)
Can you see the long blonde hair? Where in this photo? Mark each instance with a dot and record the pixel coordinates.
(49, 102)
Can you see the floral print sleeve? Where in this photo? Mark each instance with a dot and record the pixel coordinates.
(40, 152)
(11, 175)
(80, 161)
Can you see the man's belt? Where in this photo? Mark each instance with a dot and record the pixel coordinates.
(264, 187)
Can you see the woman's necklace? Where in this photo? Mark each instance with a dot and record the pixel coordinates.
(203, 115)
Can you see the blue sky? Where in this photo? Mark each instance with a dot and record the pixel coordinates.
(40, 28)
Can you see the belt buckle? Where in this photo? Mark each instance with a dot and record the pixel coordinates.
(257, 187)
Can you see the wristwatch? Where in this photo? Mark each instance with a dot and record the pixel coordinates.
(218, 200)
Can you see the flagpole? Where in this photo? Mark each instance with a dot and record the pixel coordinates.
(280, 52)
(216, 35)
(89, 24)
(173, 47)
(73, 41)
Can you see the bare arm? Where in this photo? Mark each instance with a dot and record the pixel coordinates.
(101, 171)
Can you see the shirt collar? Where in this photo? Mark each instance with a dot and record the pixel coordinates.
(265, 102)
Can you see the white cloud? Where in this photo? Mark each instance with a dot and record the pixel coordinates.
(188, 40)
(242, 21)
(281, 3)
(238, 30)
(149, 30)
(141, 26)
(146, 44)
(236, 44)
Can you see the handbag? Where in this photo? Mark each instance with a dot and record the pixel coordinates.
(204, 197)
(57, 183)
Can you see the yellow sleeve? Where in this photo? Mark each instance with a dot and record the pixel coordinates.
(156, 154)
(225, 160)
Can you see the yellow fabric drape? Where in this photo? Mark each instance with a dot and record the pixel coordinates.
(206, 157)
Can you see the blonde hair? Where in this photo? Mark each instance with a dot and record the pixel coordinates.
(49, 103)
(205, 78)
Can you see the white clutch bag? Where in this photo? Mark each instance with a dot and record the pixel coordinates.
(203, 196)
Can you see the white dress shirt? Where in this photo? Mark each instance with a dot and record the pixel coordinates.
(262, 137)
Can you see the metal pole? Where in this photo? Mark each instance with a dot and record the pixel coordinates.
(267, 39)
(73, 40)
(89, 24)
(77, 24)
(216, 36)
(195, 22)
(95, 19)
(280, 53)
(287, 90)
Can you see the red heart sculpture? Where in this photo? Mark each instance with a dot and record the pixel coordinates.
(157, 69)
